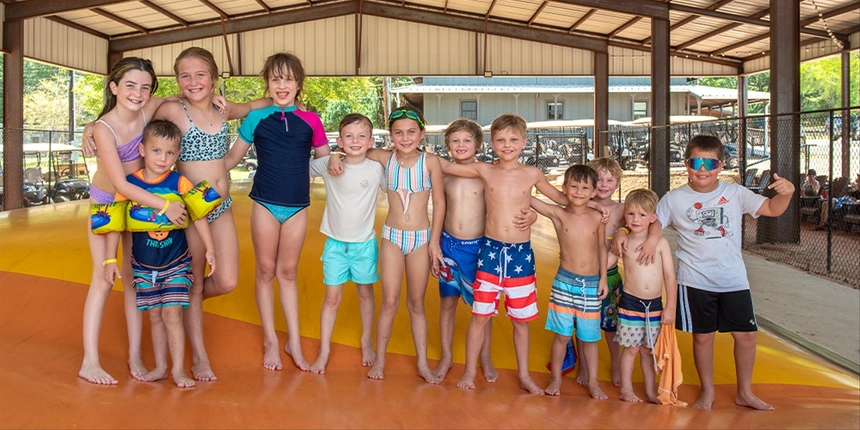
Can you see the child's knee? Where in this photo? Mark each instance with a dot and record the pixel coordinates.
(365, 292)
(287, 272)
(415, 306)
(703, 339)
(266, 271)
(448, 304)
(332, 300)
(172, 315)
(390, 304)
(747, 338)
(155, 316)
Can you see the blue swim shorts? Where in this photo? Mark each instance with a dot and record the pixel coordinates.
(573, 303)
(461, 263)
(350, 261)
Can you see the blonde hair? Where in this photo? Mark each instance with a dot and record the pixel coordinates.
(467, 125)
(606, 164)
(276, 63)
(643, 198)
(508, 120)
(199, 54)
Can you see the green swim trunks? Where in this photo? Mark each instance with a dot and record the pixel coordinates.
(609, 305)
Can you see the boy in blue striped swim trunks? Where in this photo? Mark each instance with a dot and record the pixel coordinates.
(640, 309)
(160, 259)
(580, 284)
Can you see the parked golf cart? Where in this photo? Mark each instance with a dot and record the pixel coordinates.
(69, 178)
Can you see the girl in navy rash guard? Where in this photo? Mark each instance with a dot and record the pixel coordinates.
(283, 137)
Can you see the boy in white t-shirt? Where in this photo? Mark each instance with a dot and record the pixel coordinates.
(351, 250)
(713, 290)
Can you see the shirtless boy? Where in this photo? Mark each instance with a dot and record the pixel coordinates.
(580, 283)
(640, 309)
(506, 264)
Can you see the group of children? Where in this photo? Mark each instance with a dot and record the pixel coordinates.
(477, 243)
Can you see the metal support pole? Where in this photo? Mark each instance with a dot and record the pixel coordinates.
(13, 115)
(830, 201)
(846, 115)
(660, 106)
(601, 103)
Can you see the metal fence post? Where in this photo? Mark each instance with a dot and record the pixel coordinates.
(830, 199)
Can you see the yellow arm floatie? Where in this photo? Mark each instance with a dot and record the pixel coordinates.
(105, 218)
(145, 218)
(201, 200)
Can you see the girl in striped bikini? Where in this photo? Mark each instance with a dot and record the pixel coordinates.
(410, 242)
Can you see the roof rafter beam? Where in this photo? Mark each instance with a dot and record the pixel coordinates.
(700, 56)
(538, 11)
(830, 13)
(37, 8)
(737, 45)
(256, 22)
(264, 6)
(645, 8)
(77, 26)
(478, 26)
(119, 19)
(215, 8)
(582, 19)
(624, 26)
(747, 20)
(802, 44)
(164, 12)
(680, 23)
(723, 29)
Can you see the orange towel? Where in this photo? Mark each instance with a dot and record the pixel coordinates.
(668, 363)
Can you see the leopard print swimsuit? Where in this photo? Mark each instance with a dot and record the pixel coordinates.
(197, 145)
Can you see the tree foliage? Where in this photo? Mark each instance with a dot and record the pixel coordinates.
(46, 106)
(821, 83)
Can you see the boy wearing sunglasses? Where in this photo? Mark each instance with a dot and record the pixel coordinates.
(713, 289)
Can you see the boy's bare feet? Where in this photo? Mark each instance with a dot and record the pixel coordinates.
(616, 373)
(582, 374)
(490, 372)
(368, 355)
(752, 401)
(136, 367)
(705, 400)
(554, 387)
(298, 358)
(319, 365)
(272, 356)
(596, 392)
(441, 370)
(528, 384)
(629, 396)
(428, 375)
(202, 371)
(182, 380)
(93, 373)
(156, 374)
(377, 371)
(652, 398)
(467, 382)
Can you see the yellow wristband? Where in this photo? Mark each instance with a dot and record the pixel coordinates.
(626, 230)
(109, 261)
(164, 209)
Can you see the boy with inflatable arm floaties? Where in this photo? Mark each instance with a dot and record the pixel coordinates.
(159, 252)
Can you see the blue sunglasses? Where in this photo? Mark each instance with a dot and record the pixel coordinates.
(408, 113)
(709, 163)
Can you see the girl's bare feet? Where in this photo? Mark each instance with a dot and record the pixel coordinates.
(136, 367)
(441, 370)
(629, 396)
(182, 380)
(377, 371)
(272, 356)
(750, 400)
(616, 373)
(554, 387)
(319, 365)
(652, 398)
(298, 358)
(202, 371)
(153, 375)
(368, 355)
(428, 375)
(581, 374)
(93, 373)
(490, 372)
(467, 382)
(596, 392)
(528, 384)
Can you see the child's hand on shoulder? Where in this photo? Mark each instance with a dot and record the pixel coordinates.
(111, 272)
(602, 288)
(210, 258)
(604, 212)
(781, 185)
(647, 252)
(668, 317)
(618, 244)
(524, 220)
(335, 165)
(220, 103)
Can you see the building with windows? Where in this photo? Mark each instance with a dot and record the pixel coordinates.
(444, 99)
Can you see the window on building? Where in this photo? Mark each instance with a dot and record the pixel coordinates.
(554, 110)
(640, 110)
(469, 109)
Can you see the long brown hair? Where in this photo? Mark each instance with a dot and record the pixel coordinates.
(119, 70)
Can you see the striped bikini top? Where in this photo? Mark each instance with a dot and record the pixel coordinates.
(129, 150)
(406, 181)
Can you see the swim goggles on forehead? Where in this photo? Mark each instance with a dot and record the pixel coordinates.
(709, 163)
(408, 113)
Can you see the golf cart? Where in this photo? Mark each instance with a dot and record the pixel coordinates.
(56, 176)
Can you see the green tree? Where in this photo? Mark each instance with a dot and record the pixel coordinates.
(821, 83)
(46, 106)
(89, 96)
